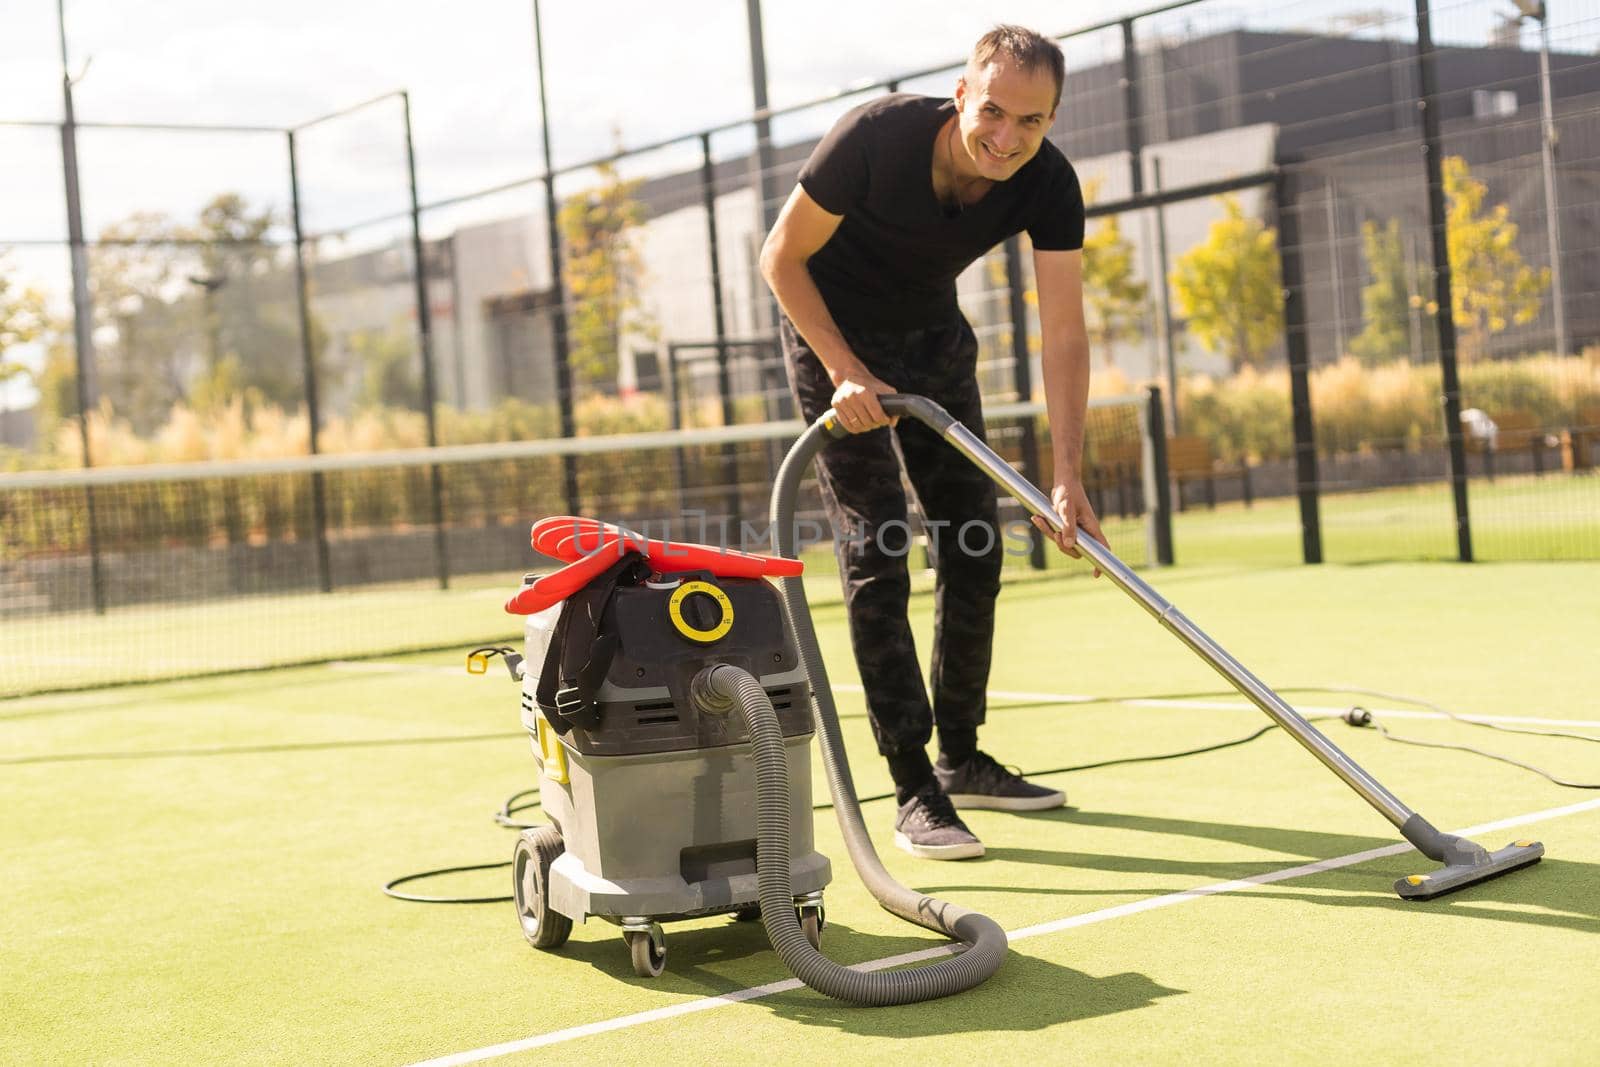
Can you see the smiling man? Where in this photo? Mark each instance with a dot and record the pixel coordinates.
(897, 200)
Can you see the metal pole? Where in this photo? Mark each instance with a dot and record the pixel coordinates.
(430, 399)
(457, 341)
(1338, 274)
(1552, 205)
(1130, 108)
(308, 367)
(766, 158)
(564, 397)
(708, 200)
(1428, 101)
(1299, 349)
(1168, 334)
(82, 308)
(675, 408)
(1368, 787)
(1158, 481)
(1022, 380)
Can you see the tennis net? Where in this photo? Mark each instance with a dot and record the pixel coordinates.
(124, 574)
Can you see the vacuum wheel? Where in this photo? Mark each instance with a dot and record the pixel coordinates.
(537, 848)
(747, 915)
(649, 950)
(811, 924)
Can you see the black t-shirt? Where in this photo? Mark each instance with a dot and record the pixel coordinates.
(893, 262)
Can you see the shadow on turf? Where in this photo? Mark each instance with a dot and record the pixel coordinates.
(1563, 888)
(1027, 994)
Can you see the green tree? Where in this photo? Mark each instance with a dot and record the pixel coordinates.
(1230, 290)
(243, 293)
(201, 312)
(23, 320)
(1114, 301)
(603, 273)
(144, 348)
(1386, 301)
(388, 363)
(1490, 286)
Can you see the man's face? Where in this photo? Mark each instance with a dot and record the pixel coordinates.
(1004, 114)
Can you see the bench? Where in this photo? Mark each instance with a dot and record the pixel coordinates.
(1115, 467)
(1189, 458)
(1578, 441)
(1515, 430)
(1115, 471)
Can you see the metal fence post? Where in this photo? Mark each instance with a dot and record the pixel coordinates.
(308, 364)
(82, 310)
(1130, 108)
(1169, 345)
(1022, 380)
(1428, 89)
(564, 394)
(708, 199)
(1159, 476)
(430, 400)
(1299, 350)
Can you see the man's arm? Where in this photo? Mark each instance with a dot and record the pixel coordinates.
(1065, 363)
(803, 227)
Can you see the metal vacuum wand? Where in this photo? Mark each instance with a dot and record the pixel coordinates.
(1466, 863)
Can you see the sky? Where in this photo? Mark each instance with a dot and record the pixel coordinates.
(625, 71)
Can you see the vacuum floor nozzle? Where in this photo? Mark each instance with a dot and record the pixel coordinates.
(1480, 867)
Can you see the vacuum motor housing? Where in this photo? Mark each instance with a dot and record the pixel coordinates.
(656, 799)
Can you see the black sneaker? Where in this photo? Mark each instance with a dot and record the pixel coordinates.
(982, 783)
(927, 825)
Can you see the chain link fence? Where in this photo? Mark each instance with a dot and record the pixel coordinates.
(1280, 199)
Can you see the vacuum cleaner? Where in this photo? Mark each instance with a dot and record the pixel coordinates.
(671, 697)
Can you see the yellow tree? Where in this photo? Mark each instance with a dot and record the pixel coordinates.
(1490, 286)
(602, 271)
(1229, 288)
(23, 320)
(1386, 301)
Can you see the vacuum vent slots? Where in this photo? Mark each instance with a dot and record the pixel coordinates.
(657, 713)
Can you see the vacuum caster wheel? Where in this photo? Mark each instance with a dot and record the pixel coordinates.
(747, 915)
(537, 848)
(811, 924)
(649, 950)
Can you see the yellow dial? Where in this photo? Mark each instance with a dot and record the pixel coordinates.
(688, 629)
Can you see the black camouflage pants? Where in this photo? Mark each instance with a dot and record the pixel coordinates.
(861, 488)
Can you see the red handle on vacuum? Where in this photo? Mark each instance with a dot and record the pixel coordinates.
(571, 537)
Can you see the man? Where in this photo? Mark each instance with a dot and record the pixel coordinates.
(902, 195)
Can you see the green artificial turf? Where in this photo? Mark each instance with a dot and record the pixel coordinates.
(193, 867)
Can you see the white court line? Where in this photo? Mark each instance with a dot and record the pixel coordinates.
(1393, 713)
(1242, 705)
(375, 667)
(1071, 922)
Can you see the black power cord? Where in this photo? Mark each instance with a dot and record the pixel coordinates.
(1360, 716)
(1356, 715)
(516, 803)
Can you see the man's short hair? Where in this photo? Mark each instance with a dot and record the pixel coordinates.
(1030, 51)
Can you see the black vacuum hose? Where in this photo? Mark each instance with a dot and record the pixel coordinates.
(724, 685)
(985, 939)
